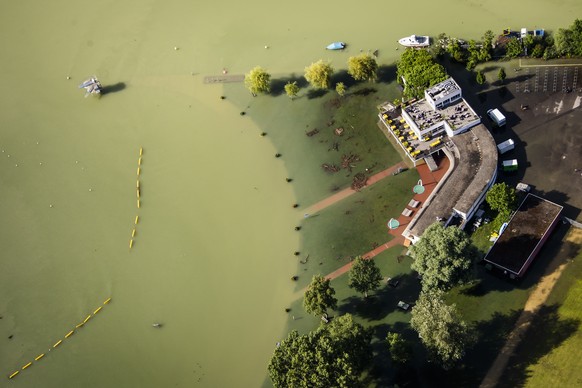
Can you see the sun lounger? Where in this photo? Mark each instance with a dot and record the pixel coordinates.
(413, 203)
(407, 212)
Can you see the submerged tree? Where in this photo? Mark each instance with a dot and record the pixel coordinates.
(334, 355)
(318, 74)
(364, 276)
(441, 329)
(340, 88)
(443, 257)
(363, 67)
(258, 81)
(319, 296)
(291, 89)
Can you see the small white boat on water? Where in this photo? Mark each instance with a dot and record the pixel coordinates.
(415, 41)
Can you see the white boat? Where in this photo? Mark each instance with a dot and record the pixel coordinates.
(415, 41)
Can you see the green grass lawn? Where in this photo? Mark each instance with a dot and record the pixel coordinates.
(549, 355)
(352, 226)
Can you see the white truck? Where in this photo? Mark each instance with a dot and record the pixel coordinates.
(507, 145)
(497, 117)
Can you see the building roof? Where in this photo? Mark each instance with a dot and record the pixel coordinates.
(474, 165)
(518, 244)
(443, 89)
(479, 154)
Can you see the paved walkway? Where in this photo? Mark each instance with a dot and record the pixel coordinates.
(349, 191)
(429, 181)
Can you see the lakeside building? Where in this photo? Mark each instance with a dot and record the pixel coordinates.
(423, 127)
(524, 236)
(443, 122)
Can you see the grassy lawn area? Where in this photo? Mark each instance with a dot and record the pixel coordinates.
(353, 226)
(550, 353)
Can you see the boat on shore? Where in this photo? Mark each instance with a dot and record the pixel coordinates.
(336, 46)
(415, 41)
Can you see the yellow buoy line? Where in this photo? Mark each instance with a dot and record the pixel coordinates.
(137, 189)
(59, 342)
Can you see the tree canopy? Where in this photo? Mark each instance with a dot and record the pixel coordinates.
(363, 67)
(400, 350)
(568, 41)
(443, 257)
(513, 48)
(319, 296)
(417, 71)
(501, 197)
(258, 81)
(441, 329)
(501, 74)
(335, 355)
(291, 89)
(480, 77)
(364, 276)
(340, 89)
(318, 74)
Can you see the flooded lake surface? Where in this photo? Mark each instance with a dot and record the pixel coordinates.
(210, 257)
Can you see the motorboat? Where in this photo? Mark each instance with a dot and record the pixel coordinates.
(336, 46)
(415, 41)
(91, 86)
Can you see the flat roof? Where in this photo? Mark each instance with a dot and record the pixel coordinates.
(520, 241)
(443, 89)
(479, 154)
(457, 114)
(475, 164)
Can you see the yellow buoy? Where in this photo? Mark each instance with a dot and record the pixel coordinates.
(140, 151)
(137, 191)
(138, 203)
(57, 344)
(133, 233)
(70, 333)
(79, 325)
(27, 365)
(39, 357)
(130, 243)
(138, 171)
(98, 309)
(139, 161)
(136, 219)
(14, 374)
(137, 184)
(86, 319)
(107, 301)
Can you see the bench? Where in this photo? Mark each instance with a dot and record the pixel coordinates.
(413, 203)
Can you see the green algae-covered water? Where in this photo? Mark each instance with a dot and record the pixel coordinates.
(212, 247)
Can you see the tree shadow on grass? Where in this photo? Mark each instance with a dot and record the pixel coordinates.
(383, 372)
(547, 332)
(384, 301)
